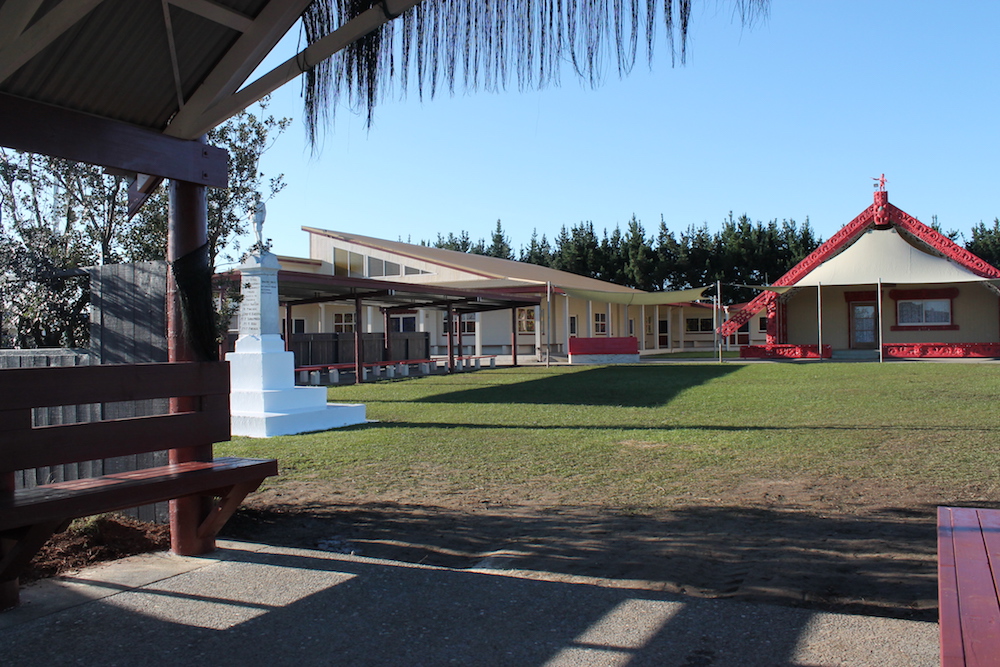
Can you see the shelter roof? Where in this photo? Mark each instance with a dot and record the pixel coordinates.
(883, 243)
(299, 288)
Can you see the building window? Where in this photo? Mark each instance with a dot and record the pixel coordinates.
(468, 324)
(298, 326)
(762, 324)
(649, 326)
(343, 322)
(631, 327)
(572, 325)
(403, 323)
(691, 324)
(600, 324)
(924, 312)
(525, 320)
(696, 325)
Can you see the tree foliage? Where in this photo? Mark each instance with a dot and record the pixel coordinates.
(57, 217)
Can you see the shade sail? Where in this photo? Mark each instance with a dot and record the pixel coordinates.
(882, 255)
(637, 298)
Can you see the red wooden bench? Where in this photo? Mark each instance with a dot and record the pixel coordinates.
(204, 491)
(968, 585)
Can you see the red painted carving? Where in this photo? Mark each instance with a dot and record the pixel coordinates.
(881, 182)
(784, 352)
(880, 213)
(938, 350)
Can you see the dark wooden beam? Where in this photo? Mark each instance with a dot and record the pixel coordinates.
(41, 128)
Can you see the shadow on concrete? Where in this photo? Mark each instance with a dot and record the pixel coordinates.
(795, 558)
(291, 607)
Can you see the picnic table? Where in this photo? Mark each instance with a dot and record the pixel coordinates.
(968, 585)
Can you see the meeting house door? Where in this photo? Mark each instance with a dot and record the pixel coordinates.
(864, 326)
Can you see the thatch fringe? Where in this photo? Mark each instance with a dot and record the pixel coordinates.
(485, 44)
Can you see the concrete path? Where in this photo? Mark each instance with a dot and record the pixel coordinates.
(254, 604)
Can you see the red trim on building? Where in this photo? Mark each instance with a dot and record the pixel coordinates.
(784, 352)
(924, 327)
(880, 213)
(624, 345)
(914, 294)
(867, 295)
(940, 350)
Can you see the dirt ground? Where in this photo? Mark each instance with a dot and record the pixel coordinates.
(831, 544)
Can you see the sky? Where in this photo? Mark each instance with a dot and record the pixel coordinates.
(791, 119)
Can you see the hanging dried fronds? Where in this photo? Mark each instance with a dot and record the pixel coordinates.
(486, 45)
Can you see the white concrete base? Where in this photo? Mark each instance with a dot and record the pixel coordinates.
(264, 400)
(268, 424)
(604, 358)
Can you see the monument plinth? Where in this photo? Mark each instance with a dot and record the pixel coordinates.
(264, 400)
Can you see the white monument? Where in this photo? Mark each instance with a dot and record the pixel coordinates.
(264, 400)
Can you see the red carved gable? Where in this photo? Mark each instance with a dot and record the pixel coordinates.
(880, 213)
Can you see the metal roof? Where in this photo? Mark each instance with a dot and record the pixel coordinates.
(299, 288)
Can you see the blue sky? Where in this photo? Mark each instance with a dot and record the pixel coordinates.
(788, 120)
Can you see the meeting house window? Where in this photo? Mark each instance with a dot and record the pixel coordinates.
(924, 312)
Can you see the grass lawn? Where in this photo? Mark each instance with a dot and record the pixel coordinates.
(640, 436)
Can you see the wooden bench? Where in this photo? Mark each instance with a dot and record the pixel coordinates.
(204, 491)
(968, 584)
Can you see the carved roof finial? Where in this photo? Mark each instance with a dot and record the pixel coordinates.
(881, 182)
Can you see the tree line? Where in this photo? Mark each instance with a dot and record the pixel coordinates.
(742, 251)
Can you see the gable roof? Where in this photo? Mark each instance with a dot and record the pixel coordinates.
(484, 270)
(914, 245)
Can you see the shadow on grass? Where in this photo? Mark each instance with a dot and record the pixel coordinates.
(632, 386)
(882, 565)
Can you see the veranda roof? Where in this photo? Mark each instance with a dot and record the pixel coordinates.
(883, 255)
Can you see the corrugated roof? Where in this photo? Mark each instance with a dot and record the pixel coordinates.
(484, 267)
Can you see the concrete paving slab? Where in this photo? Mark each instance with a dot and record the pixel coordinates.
(252, 604)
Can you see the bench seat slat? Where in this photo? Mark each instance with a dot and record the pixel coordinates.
(82, 497)
(65, 443)
(76, 385)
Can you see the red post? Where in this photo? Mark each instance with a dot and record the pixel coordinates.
(359, 371)
(513, 335)
(187, 232)
(450, 326)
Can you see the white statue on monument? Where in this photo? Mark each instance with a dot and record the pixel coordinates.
(264, 399)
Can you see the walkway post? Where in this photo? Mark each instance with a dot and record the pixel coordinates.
(513, 336)
(819, 317)
(359, 369)
(450, 326)
(880, 340)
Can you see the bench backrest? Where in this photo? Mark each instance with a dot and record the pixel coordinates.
(23, 445)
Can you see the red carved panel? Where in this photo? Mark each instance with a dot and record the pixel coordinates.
(784, 352)
(866, 295)
(940, 350)
(939, 293)
(943, 244)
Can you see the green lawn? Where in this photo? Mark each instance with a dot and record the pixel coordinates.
(641, 435)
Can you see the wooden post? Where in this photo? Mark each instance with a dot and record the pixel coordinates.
(386, 336)
(9, 589)
(359, 370)
(513, 336)
(187, 232)
(450, 327)
(289, 327)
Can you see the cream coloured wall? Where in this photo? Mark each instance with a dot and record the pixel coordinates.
(974, 310)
